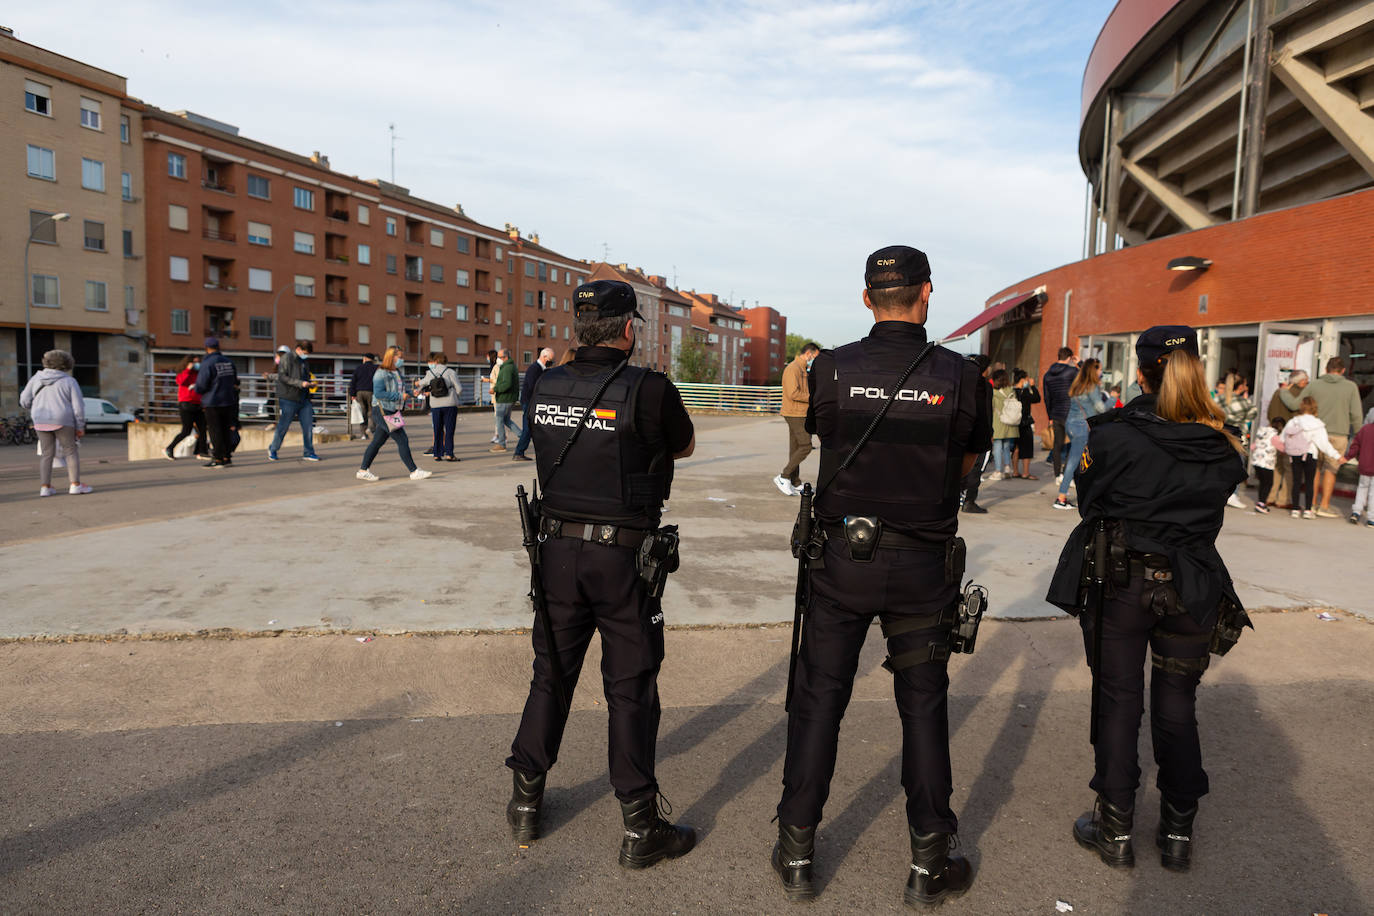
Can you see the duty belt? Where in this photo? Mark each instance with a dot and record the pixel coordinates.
(595, 532)
(1152, 567)
(887, 538)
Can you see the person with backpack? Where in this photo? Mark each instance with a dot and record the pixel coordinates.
(1304, 439)
(1006, 424)
(1027, 394)
(440, 384)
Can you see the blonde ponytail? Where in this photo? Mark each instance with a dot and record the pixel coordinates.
(1182, 396)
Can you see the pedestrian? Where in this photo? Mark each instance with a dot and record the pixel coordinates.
(971, 481)
(1027, 394)
(1264, 453)
(1305, 440)
(1338, 405)
(505, 392)
(1006, 424)
(490, 378)
(604, 479)
(1233, 394)
(58, 410)
(1362, 449)
(1059, 378)
(388, 397)
(217, 383)
(796, 395)
(1085, 400)
(440, 384)
(188, 406)
(295, 385)
(890, 521)
(1152, 496)
(360, 391)
(1283, 405)
(532, 373)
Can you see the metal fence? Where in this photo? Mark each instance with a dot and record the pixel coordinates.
(741, 398)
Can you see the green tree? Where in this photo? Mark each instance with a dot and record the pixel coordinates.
(695, 363)
(794, 344)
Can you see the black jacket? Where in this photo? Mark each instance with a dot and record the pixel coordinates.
(1027, 396)
(532, 373)
(217, 381)
(362, 379)
(1058, 380)
(1167, 483)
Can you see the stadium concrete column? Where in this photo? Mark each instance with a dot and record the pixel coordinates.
(1257, 116)
(1112, 205)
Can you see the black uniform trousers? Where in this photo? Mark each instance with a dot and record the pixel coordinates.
(1129, 630)
(217, 421)
(973, 479)
(596, 588)
(845, 596)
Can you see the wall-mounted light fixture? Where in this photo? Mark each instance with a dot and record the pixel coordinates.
(1190, 263)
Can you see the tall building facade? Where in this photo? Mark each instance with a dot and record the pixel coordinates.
(765, 347)
(723, 328)
(71, 175)
(650, 350)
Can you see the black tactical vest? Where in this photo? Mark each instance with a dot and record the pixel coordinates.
(609, 475)
(908, 472)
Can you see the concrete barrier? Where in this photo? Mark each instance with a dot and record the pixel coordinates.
(147, 440)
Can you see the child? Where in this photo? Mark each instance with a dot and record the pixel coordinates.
(1304, 437)
(1264, 453)
(1362, 447)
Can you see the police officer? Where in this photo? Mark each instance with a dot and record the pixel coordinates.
(889, 522)
(1141, 571)
(602, 499)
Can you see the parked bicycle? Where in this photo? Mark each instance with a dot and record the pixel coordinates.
(18, 431)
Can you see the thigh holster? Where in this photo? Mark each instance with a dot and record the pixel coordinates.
(937, 650)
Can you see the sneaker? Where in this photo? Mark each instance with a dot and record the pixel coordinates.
(973, 508)
(519, 457)
(1295, 513)
(419, 474)
(312, 457)
(1327, 513)
(493, 438)
(365, 474)
(1308, 513)
(1064, 504)
(1235, 502)
(213, 463)
(451, 458)
(1058, 480)
(784, 485)
(271, 456)
(497, 448)
(1369, 523)
(428, 452)
(995, 475)
(78, 489)
(47, 491)
(167, 453)
(1354, 518)
(1261, 508)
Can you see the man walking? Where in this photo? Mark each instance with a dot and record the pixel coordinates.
(1338, 406)
(532, 374)
(360, 390)
(217, 383)
(505, 391)
(1057, 382)
(293, 400)
(796, 396)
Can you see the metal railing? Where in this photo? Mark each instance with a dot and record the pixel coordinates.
(741, 398)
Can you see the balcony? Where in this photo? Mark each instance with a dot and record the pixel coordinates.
(336, 296)
(216, 184)
(336, 206)
(217, 235)
(414, 276)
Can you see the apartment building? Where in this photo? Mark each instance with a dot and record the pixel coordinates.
(675, 318)
(765, 346)
(70, 177)
(652, 350)
(723, 327)
(539, 294)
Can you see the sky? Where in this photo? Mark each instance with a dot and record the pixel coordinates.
(758, 149)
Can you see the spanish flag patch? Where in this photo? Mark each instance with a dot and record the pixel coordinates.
(603, 413)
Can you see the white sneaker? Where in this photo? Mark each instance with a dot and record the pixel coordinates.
(1058, 479)
(1235, 502)
(48, 491)
(1295, 513)
(365, 474)
(420, 474)
(1308, 513)
(785, 485)
(78, 489)
(995, 475)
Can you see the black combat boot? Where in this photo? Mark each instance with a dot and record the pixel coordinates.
(648, 837)
(1106, 830)
(936, 875)
(792, 856)
(522, 813)
(1175, 837)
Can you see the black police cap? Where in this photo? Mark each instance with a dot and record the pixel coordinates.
(1161, 340)
(605, 299)
(911, 266)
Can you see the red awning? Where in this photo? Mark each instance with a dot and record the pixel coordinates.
(988, 314)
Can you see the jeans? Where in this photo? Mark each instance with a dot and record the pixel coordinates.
(1076, 446)
(290, 410)
(1362, 496)
(526, 434)
(380, 433)
(1001, 454)
(192, 417)
(444, 420)
(503, 421)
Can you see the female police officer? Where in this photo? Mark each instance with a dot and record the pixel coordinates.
(1141, 570)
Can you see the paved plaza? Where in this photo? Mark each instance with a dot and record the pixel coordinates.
(307, 770)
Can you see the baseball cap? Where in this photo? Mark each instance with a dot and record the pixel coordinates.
(911, 266)
(283, 349)
(605, 299)
(212, 343)
(1159, 341)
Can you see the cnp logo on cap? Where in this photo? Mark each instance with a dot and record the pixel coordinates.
(1159, 341)
(605, 299)
(896, 265)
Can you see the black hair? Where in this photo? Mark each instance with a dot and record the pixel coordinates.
(812, 345)
(1018, 374)
(999, 378)
(1065, 353)
(894, 298)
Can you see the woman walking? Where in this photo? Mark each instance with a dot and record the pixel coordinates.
(1304, 438)
(1006, 424)
(440, 384)
(1152, 498)
(53, 398)
(192, 414)
(1085, 400)
(388, 394)
(1027, 394)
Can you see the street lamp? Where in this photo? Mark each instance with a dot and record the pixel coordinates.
(28, 292)
(275, 300)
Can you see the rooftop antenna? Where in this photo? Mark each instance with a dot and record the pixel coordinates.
(394, 138)
(606, 252)
(674, 280)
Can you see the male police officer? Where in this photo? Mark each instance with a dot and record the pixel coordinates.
(602, 500)
(890, 551)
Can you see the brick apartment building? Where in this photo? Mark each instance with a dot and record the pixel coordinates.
(675, 315)
(651, 350)
(72, 148)
(765, 348)
(724, 333)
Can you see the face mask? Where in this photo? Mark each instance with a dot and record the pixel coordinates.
(810, 361)
(195, 365)
(400, 363)
(433, 367)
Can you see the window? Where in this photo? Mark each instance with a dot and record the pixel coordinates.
(305, 243)
(460, 313)
(436, 273)
(260, 328)
(259, 234)
(176, 217)
(92, 174)
(436, 309)
(391, 338)
(391, 226)
(498, 319)
(460, 346)
(496, 284)
(553, 330)
(500, 252)
(94, 234)
(42, 163)
(176, 165)
(45, 291)
(436, 238)
(96, 297)
(463, 244)
(391, 303)
(553, 274)
(260, 279)
(364, 294)
(364, 218)
(436, 345)
(461, 277)
(123, 128)
(90, 114)
(529, 268)
(510, 266)
(128, 243)
(259, 187)
(391, 263)
(364, 254)
(543, 271)
(529, 357)
(129, 305)
(567, 279)
(42, 229)
(181, 321)
(126, 186)
(364, 334)
(179, 268)
(567, 332)
(304, 198)
(38, 98)
(305, 286)
(529, 328)
(305, 330)
(529, 297)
